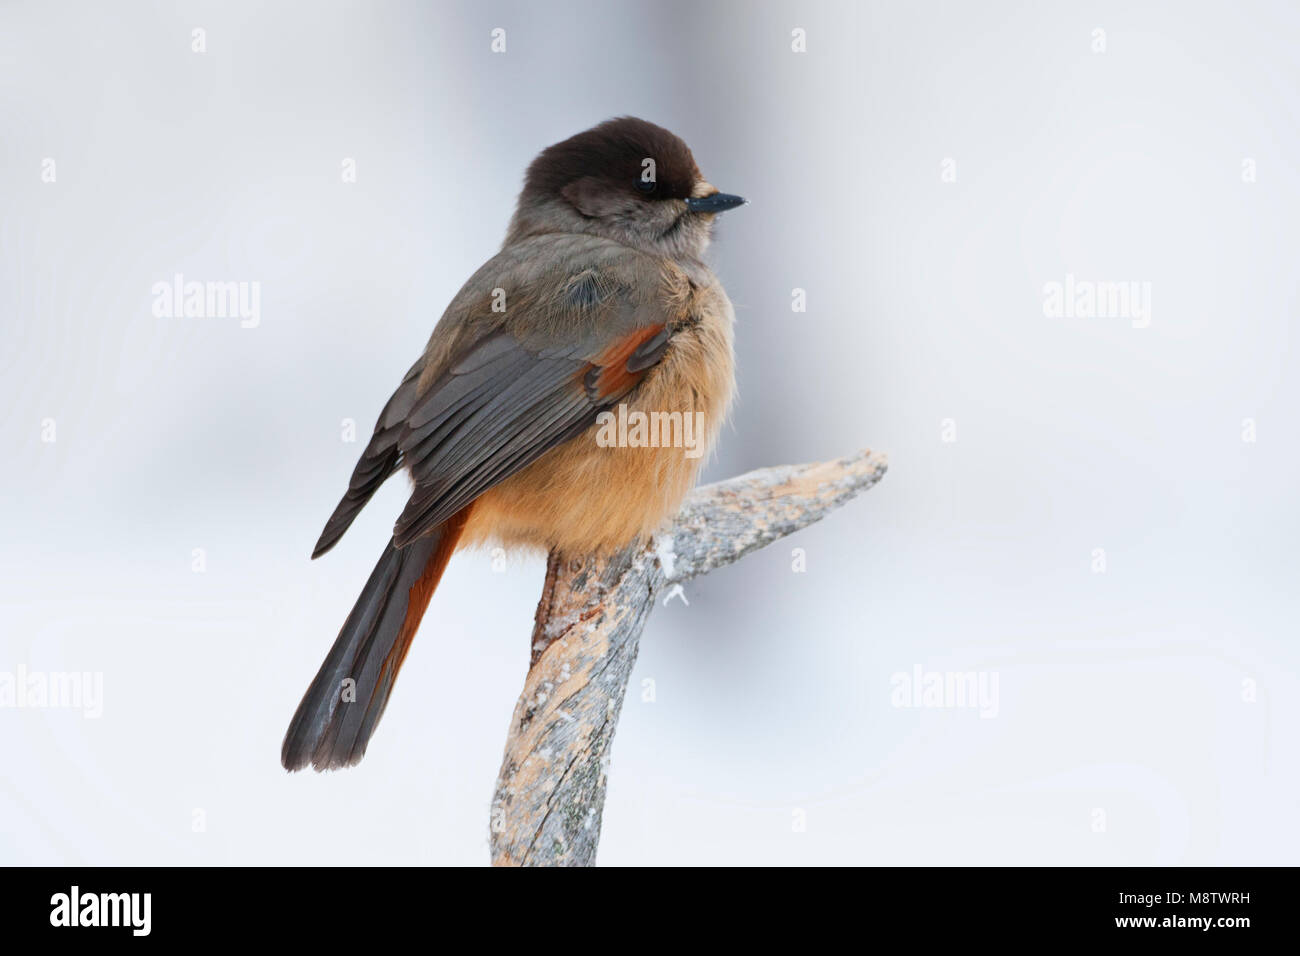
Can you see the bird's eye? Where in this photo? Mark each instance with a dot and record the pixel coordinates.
(646, 187)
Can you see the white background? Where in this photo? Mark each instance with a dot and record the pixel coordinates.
(1120, 692)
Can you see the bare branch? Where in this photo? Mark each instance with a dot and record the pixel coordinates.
(551, 790)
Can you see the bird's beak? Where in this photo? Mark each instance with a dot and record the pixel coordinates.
(718, 202)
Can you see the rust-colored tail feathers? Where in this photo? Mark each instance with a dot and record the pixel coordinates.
(334, 722)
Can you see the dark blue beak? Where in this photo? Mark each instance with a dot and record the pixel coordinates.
(718, 202)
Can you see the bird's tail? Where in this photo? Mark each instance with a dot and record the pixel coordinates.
(343, 705)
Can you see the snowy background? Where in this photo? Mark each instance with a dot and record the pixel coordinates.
(922, 171)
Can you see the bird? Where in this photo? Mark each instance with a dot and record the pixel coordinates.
(599, 299)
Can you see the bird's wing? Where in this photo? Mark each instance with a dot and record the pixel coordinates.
(496, 390)
(380, 459)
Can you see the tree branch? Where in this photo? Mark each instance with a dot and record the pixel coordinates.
(551, 790)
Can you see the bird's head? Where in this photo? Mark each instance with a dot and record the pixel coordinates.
(625, 180)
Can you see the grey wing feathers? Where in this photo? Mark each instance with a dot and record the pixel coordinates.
(497, 411)
(380, 459)
(502, 402)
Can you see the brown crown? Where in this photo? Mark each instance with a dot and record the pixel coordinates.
(613, 152)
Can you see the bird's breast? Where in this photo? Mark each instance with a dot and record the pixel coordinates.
(625, 475)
